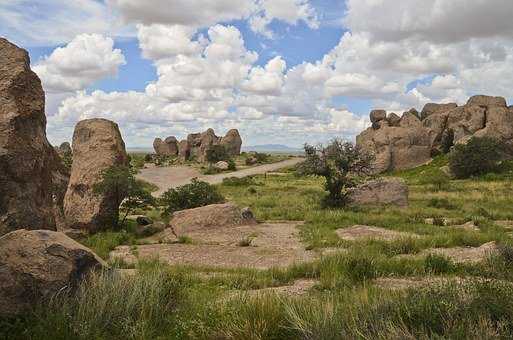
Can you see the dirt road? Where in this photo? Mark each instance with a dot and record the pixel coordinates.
(170, 177)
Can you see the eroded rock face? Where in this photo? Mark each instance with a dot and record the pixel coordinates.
(26, 157)
(37, 264)
(409, 141)
(97, 146)
(383, 191)
(197, 144)
(168, 147)
(209, 217)
(232, 142)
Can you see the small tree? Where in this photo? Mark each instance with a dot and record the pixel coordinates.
(119, 184)
(340, 163)
(217, 153)
(479, 156)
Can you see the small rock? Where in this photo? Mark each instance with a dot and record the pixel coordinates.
(222, 165)
(247, 214)
(150, 229)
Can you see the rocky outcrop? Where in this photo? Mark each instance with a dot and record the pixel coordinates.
(383, 191)
(26, 157)
(232, 142)
(35, 265)
(197, 144)
(168, 147)
(97, 146)
(209, 217)
(410, 141)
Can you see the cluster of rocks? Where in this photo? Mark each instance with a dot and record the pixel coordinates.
(197, 144)
(411, 140)
(38, 195)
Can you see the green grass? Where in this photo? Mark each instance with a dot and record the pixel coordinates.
(185, 302)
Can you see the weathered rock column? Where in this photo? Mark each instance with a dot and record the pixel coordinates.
(25, 155)
(97, 146)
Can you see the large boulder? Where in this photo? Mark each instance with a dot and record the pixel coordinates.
(232, 142)
(377, 115)
(209, 217)
(35, 265)
(432, 108)
(97, 146)
(397, 147)
(383, 191)
(26, 156)
(207, 140)
(410, 141)
(168, 147)
(184, 150)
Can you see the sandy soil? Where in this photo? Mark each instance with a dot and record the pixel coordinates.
(272, 245)
(171, 177)
(360, 232)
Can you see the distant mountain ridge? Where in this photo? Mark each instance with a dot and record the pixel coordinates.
(271, 148)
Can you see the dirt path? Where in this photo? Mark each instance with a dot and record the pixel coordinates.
(170, 177)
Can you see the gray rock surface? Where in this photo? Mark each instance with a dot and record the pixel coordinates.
(383, 191)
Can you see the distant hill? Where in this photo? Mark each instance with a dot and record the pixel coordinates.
(278, 148)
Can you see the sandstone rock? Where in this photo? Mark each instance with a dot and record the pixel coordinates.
(97, 146)
(466, 120)
(383, 191)
(393, 119)
(251, 160)
(222, 165)
(410, 119)
(487, 101)
(150, 229)
(25, 155)
(209, 217)
(433, 108)
(377, 115)
(207, 140)
(232, 142)
(184, 150)
(64, 149)
(168, 147)
(35, 265)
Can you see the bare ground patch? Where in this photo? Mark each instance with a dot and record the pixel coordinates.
(461, 254)
(360, 232)
(255, 246)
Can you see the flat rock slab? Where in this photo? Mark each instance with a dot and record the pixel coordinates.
(298, 288)
(272, 245)
(361, 232)
(461, 254)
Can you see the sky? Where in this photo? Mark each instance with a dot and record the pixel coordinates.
(281, 71)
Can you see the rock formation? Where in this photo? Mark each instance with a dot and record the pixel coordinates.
(97, 145)
(406, 142)
(26, 157)
(35, 265)
(197, 144)
(168, 147)
(209, 217)
(383, 191)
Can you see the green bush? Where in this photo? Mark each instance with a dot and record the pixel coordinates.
(479, 156)
(193, 195)
(217, 153)
(438, 179)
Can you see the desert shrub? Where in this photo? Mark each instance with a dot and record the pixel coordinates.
(148, 157)
(252, 190)
(137, 161)
(217, 153)
(231, 165)
(438, 179)
(479, 156)
(436, 264)
(441, 203)
(340, 163)
(193, 195)
(239, 182)
(361, 269)
(128, 194)
(261, 157)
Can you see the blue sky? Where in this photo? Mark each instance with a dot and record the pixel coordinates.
(281, 71)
